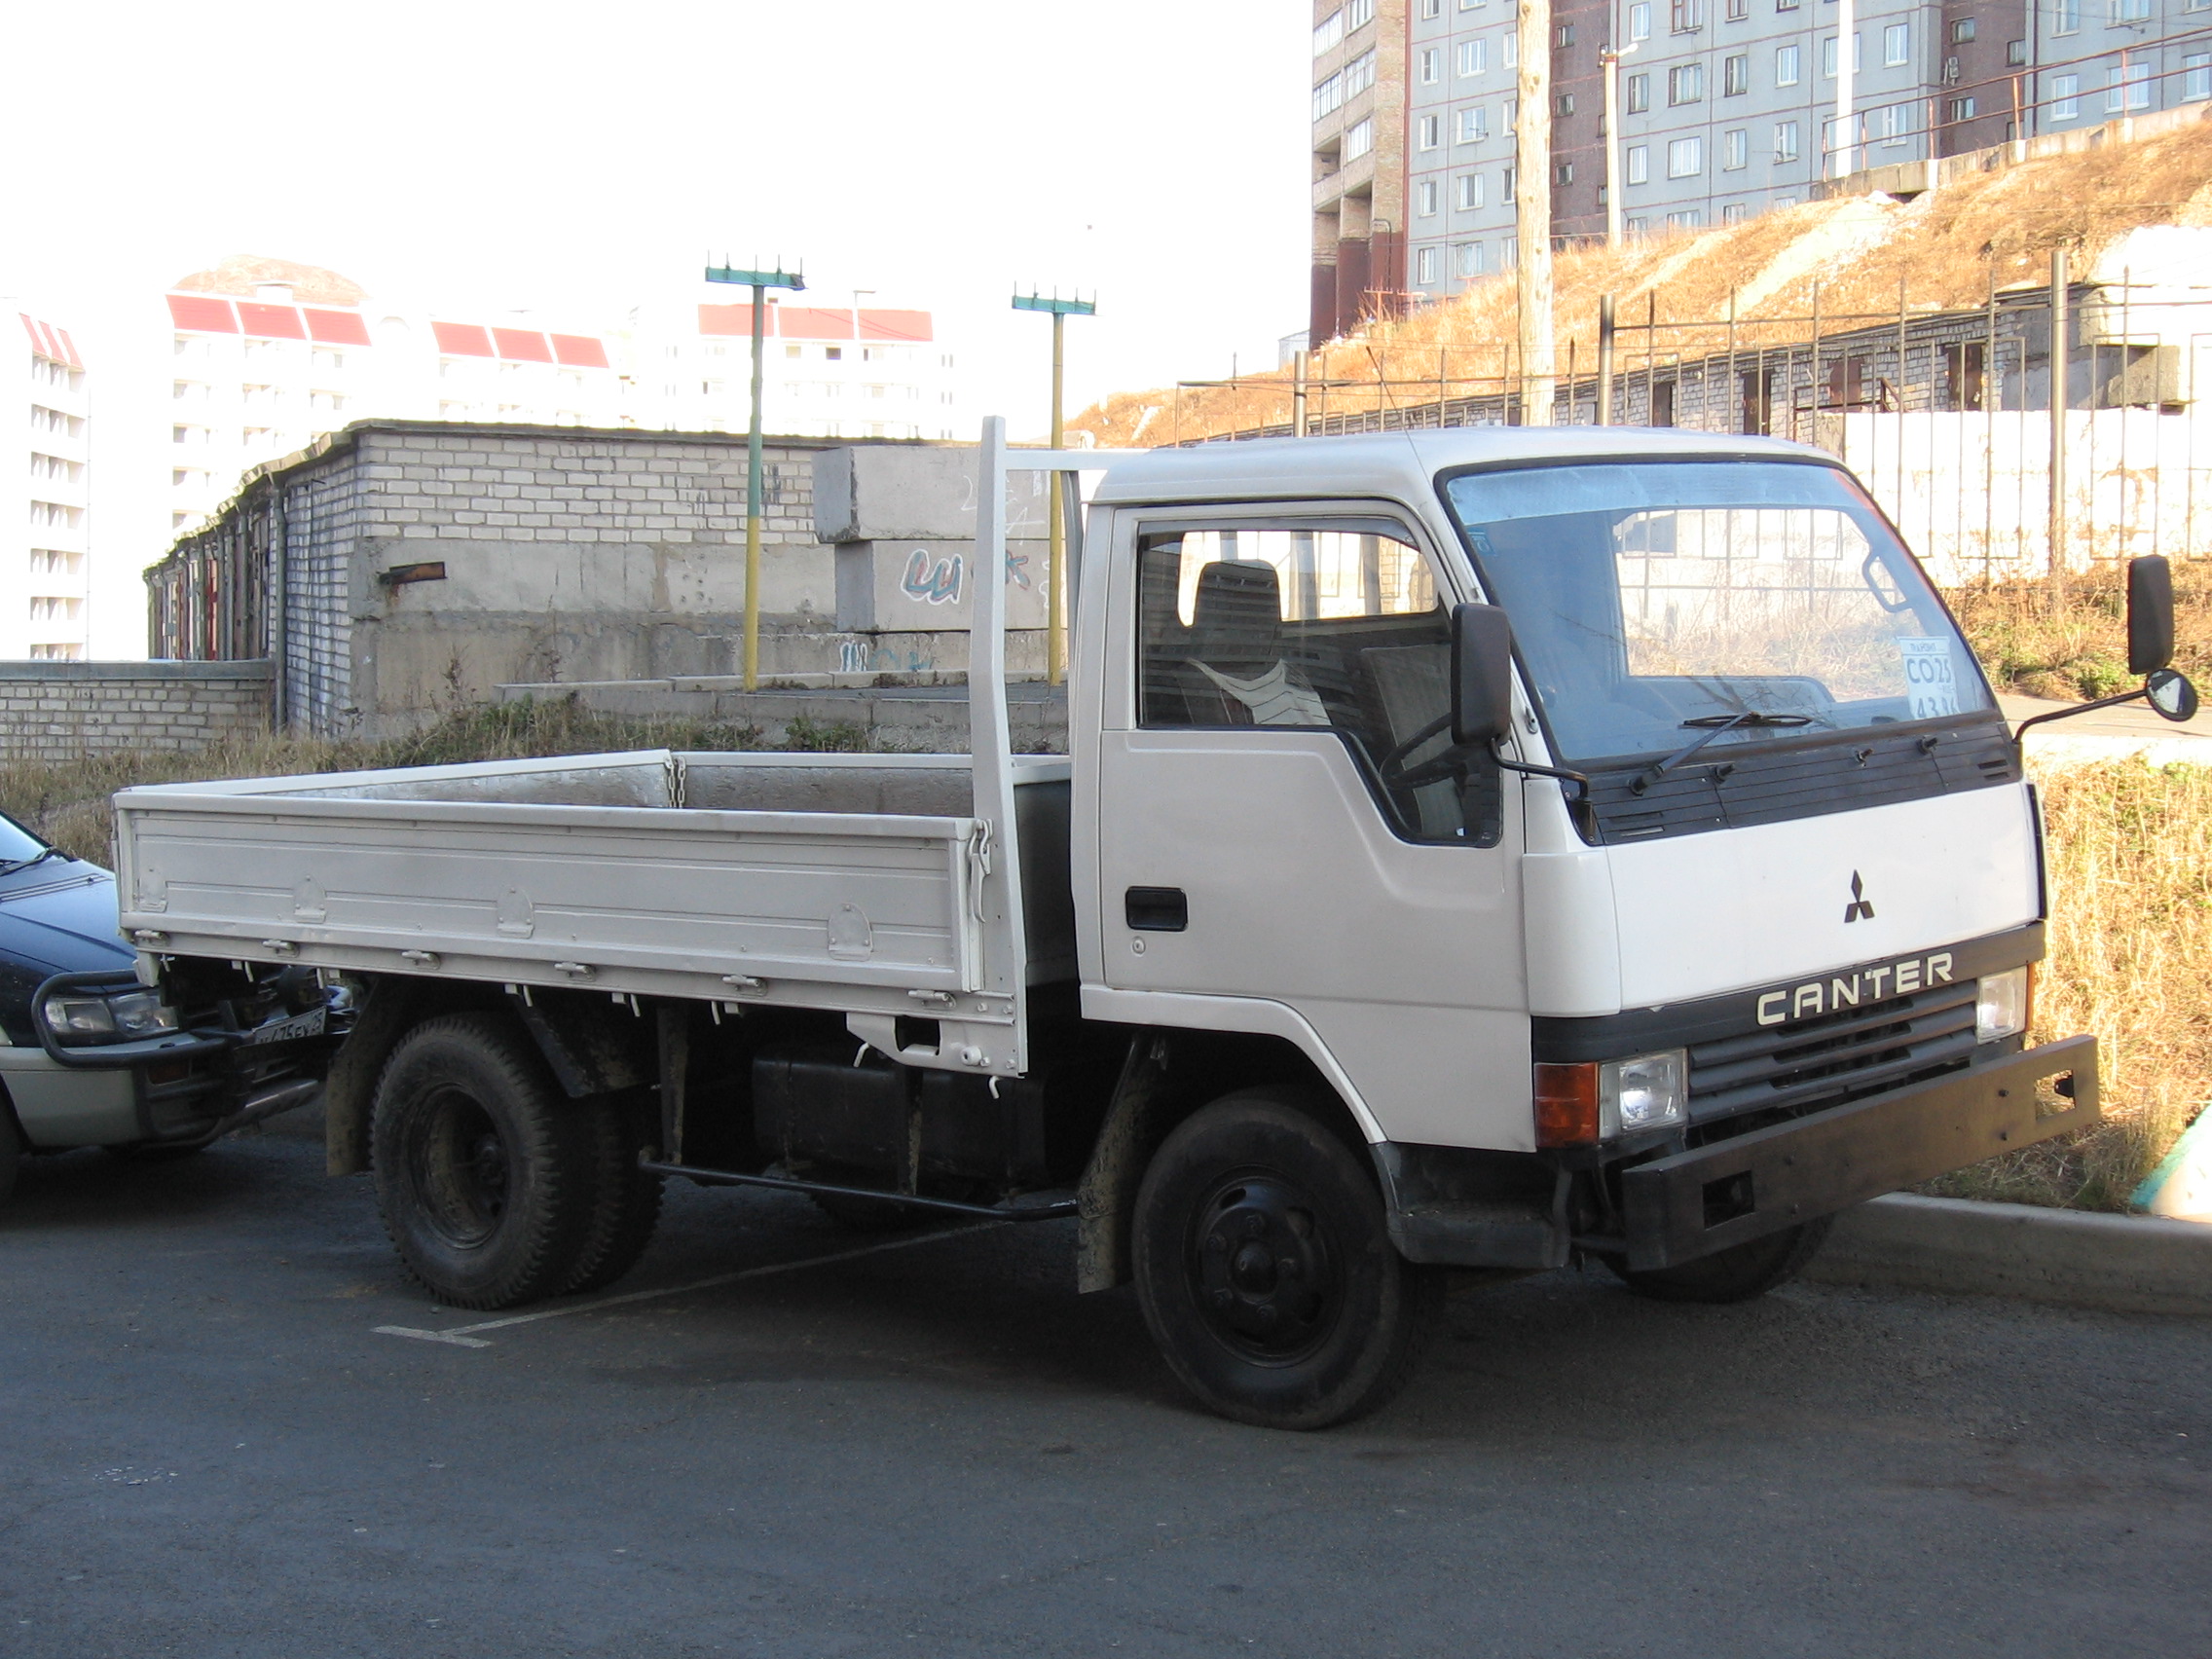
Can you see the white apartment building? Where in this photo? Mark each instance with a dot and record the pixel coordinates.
(45, 549)
(827, 371)
(260, 374)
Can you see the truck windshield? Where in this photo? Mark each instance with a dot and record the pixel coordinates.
(17, 845)
(1653, 602)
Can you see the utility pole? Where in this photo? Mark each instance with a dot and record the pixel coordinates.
(2060, 329)
(760, 281)
(1055, 532)
(1609, 66)
(1532, 204)
(1846, 66)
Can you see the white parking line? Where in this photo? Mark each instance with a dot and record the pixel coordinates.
(464, 1336)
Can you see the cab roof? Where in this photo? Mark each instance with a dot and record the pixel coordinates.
(1402, 464)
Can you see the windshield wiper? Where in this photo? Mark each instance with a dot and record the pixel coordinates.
(15, 864)
(1714, 725)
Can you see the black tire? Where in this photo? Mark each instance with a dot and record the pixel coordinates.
(625, 1201)
(1264, 1267)
(483, 1168)
(1734, 1274)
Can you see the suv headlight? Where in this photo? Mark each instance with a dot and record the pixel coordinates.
(75, 1017)
(2001, 1005)
(1646, 1091)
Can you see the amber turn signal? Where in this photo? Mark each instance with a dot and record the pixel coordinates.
(1566, 1103)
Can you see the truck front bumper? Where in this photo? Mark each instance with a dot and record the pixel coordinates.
(1693, 1203)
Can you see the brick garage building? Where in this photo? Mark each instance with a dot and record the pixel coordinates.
(398, 568)
(62, 711)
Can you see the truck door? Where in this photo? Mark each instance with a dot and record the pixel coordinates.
(1268, 842)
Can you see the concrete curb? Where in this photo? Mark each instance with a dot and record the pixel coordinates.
(2123, 1262)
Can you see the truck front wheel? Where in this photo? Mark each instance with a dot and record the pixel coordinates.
(484, 1172)
(1734, 1274)
(1265, 1271)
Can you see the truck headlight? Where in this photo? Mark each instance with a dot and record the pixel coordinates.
(1646, 1091)
(2001, 1005)
(75, 1017)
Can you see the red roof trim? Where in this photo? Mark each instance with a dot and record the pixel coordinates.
(578, 351)
(734, 320)
(271, 322)
(462, 339)
(335, 328)
(813, 322)
(522, 345)
(909, 325)
(202, 313)
(52, 343)
(69, 348)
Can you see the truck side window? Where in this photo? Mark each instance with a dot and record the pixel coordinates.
(1340, 630)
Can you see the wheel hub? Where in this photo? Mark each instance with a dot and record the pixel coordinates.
(1263, 1273)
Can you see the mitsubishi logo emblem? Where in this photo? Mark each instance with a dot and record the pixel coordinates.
(1860, 905)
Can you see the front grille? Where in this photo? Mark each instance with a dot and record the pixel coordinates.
(1838, 1057)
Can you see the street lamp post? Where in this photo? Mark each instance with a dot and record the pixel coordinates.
(1609, 66)
(1055, 533)
(760, 281)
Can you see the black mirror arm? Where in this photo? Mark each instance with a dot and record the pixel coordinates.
(2068, 712)
(1580, 781)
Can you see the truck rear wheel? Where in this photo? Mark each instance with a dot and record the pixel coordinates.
(1737, 1273)
(484, 1172)
(1266, 1270)
(625, 1199)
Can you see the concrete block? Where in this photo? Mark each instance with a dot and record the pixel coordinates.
(916, 586)
(886, 494)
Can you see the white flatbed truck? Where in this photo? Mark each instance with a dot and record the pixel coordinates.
(1482, 849)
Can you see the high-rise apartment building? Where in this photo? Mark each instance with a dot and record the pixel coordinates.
(1728, 107)
(45, 548)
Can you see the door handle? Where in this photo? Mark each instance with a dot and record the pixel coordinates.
(1157, 910)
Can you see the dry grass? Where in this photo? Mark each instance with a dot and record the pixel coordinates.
(2130, 861)
(2080, 650)
(1849, 256)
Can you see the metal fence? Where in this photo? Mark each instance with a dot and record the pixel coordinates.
(1946, 414)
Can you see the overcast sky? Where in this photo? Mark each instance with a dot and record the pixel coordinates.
(570, 157)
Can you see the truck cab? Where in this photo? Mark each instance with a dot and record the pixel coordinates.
(1486, 849)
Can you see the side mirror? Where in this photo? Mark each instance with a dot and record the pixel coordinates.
(1481, 675)
(2149, 614)
(2168, 691)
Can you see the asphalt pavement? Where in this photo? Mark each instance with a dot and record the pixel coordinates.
(930, 1446)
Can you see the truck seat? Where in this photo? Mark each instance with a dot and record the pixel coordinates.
(1236, 674)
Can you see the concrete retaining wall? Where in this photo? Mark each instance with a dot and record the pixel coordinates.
(64, 711)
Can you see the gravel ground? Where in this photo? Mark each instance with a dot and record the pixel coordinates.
(937, 1448)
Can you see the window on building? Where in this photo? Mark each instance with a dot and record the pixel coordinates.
(1468, 192)
(1328, 32)
(1685, 16)
(1562, 37)
(2064, 103)
(1424, 266)
(2065, 16)
(1474, 124)
(1638, 164)
(1428, 131)
(1685, 83)
(1565, 173)
(1470, 5)
(1359, 74)
(1431, 8)
(1786, 141)
(1785, 5)
(2128, 88)
(1893, 123)
(1827, 55)
(1508, 254)
(1358, 15)
(836, 353)
(2197, 76)
(1432, 66)
(1736, 75)
(1474, 58)
(1733, 212)
(1736, 149)
(1685, 158)
(1509, 51)
(1640, 21)
(1786, 71)
(1684, 219)
(1639, 94)
(1424, 198)
(1959, 109)
(330, 359)
(1736, 10)
(1897, 45)
(2131, 11)
(1359, 138)
(1565, 103)
(1329, 96)
(1962, 31)
(2015, 52)
(1468, 260)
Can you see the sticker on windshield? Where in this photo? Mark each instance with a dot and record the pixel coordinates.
(1930, 679)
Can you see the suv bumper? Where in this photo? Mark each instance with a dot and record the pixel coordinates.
(1693, 1203)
